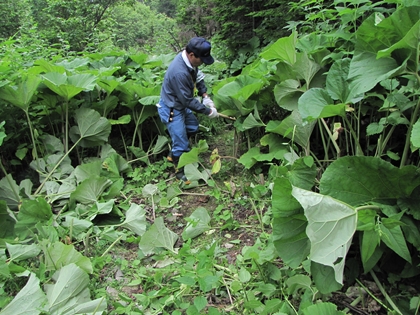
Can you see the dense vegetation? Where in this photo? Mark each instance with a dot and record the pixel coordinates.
(313, 210)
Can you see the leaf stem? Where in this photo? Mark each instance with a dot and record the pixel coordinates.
(413, 119)
(337, 148)
(376, 208)
(112, 245)
(381, 288)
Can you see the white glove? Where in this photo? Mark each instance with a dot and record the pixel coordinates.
(213, 113)
(208, 102)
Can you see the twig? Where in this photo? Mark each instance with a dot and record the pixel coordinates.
(228, 291)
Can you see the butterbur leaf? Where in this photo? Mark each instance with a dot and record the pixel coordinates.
(149, 190)
(323, 308)
(283, 49)
(248, 159)
(415, 134)
(7, 221)
(58, 255)
(317, 103)
(297, 282)
(19, 252)
(9, 192)
(157, 236)
(331, 226)
(90, 189)
(357, 180)
(135, 219)
(28, 301)
(91, 129)
(189, 157)
(21, 95)
(198, 222)
(194, 174)
(70, 293)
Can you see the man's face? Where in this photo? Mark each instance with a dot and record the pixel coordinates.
(195, 61)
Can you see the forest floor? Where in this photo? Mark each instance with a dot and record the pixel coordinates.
(243, 231)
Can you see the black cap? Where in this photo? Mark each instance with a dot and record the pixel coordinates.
(201, 49)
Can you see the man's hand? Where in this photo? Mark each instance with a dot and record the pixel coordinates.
(213, 113)
(208, 102)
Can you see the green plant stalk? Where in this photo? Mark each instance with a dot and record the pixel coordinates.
(55, 167)
(376, 208)
(135, 130)
(385, 141)
(337, 149)
(66, 137)
(112, 245)
(99, 304)
(373, 296)
(413, 120)
(258, 215)
(387, 297)
(359, 150)
(31, 131)
(323, 141)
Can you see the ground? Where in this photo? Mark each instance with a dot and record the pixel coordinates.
(244, 229)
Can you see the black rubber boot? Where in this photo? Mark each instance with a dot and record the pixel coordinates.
(179, 173)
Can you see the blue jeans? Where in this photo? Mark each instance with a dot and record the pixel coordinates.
(183, 124)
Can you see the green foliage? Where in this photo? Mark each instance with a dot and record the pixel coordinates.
(239, 21)
(139, 28)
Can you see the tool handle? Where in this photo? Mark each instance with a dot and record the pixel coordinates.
(227, 117)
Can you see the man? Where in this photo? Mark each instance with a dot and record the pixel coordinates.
(178, 99)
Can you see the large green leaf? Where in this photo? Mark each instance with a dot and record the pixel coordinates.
(70, 293)
(90, 189)
(415, 134)
(338, 86)
(317, 103)
(287, 94)
(58, 255)
(248, 158)
(2, 133)
(157, 236)
(277, 148)
(323, 308)
(403, 28)
(69, 86)
(91, 129)
(29, 301)
(235, 94)
(331, 226)
(198, 223)
(19, 252)
(87, 170)
(21, 95)
(293, 127)
(7, 221)
(32, 212)
(366, 71)
(357, 180)
(135, 219)
(290, 239)
(283, 49)
(9, 191)
(192, 156)
(305, 68)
